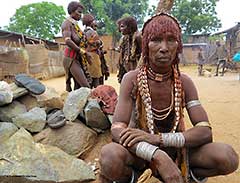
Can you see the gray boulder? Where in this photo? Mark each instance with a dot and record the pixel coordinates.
(33, 120)
(50, 99)
(6, 94)
(6, 130)
(11, 110)
(21, 157)
(95, 117)
(74, 138)
(75, 102)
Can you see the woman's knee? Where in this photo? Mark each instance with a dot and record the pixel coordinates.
(112, 153)
(227, 160)
(112, 159)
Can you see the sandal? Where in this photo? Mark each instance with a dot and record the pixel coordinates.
(31, 84)
(56, 119)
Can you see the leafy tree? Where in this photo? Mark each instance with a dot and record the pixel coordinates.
(41, 20)
(107, 12)
(196, 16)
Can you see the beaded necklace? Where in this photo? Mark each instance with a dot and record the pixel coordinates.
(143, 89)
(157, 77)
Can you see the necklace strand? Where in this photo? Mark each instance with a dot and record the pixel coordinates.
(168, 109)
(157, 77)
(147, 101)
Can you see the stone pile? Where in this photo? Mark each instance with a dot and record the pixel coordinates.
(51, 138)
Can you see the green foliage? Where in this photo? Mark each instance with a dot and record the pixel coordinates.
(42, 20)
(196, 16)
(107, 12)
(216, 37)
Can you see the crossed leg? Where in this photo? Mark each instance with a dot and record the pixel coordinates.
(213, 159)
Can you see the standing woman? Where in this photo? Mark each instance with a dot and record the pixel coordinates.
(93, 46)
(201, 61)
(75, 56)
(130, 45)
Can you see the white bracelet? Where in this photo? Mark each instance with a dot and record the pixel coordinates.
(145, 150)
(193, 103)
(173, 139)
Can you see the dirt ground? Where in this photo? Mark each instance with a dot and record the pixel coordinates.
(220, 96)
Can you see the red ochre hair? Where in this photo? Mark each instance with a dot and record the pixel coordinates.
(155, 27)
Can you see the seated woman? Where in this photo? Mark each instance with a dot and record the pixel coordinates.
(159, 141)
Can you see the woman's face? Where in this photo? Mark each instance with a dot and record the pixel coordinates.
(77, 14)
(124, 29)
(162, 50)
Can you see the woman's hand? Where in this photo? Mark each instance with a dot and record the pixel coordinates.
(166, 168)
(89, 58)
(131, 136)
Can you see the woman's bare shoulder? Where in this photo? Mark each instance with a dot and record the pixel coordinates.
(189, 87)
(131, 75)
(129, 81)
(185, 78)
(66, 24)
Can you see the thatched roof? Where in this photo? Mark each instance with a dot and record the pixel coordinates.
(230, 30)
(25, 39)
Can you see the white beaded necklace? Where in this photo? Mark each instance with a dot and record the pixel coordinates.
(143, 89)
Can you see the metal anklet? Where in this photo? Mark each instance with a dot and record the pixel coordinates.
(132, 178)
(197, 180)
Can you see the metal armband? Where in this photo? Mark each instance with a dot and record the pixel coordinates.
(204, 123)
(193, 103)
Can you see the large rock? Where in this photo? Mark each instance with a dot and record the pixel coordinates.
(94, 115)
(6, 94)
(50, 99)
(75, 102)
(29, 101)
(6, 130)
(35, 162)
(12, 110)
(74, 138)
(33, 120)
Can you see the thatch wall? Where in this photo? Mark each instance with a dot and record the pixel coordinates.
(34, 60)
(13, 61)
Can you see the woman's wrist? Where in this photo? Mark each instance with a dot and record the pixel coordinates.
(145, 150)
(159, 155)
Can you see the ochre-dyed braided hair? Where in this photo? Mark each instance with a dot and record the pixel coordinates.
(157, 25)
(130, 22)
